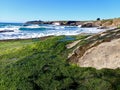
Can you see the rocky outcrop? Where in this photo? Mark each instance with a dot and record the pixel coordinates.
(2, 31)
(34, 22)
(105, 55)
(107, 23)
(99, 51)
(67, 23)
(88, 25)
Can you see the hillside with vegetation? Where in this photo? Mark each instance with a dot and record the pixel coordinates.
(41, 64)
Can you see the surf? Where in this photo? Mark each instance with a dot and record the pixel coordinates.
(19, 31)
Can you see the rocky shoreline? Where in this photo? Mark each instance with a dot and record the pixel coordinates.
(101, 24)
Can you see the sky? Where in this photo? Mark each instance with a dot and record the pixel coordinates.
(48, 10)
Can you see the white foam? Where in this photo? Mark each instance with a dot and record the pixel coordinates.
(91, 30)
(12, 28)
(50, 27)
(79, 26)
(50, 30)
(32, 26)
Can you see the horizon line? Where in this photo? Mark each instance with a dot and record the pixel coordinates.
(55, 20)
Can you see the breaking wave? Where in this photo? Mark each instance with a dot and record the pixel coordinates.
(18, 31)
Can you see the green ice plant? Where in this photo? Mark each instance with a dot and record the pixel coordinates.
(42, 65)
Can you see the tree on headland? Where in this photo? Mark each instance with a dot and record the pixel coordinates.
(98, 19)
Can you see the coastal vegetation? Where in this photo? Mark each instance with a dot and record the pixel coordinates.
(41, 64)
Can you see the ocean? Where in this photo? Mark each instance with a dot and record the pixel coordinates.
(19, 31)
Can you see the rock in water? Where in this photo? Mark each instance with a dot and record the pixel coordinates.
(2, 31)
(88, 25)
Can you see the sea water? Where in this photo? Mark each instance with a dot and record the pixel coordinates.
(19, 31)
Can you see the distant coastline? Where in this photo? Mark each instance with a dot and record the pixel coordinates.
(37, 29)
(104, 23)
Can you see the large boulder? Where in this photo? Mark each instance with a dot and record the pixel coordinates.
(99, 51)
(105, 55)
(88, 25)
(71, 23)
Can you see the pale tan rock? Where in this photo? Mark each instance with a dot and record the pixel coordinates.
(105, 55)
(72, 44)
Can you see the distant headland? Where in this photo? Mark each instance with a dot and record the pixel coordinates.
(101, 23)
